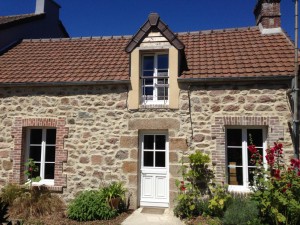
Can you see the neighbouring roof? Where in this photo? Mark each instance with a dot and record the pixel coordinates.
(7, 21)
(209, 54)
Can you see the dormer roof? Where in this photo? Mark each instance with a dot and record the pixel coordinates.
(154, 23)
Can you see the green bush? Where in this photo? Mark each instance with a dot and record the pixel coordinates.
(3, 211)
(189, 205)
(241, 211)
(90, 205)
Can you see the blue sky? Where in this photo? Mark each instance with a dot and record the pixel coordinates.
(123, 17)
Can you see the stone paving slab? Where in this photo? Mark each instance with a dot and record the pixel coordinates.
(138, 218)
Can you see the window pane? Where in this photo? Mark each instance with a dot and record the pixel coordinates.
(235, 176)
(160, 142)
(148, 82)
(37, 173)
(148, 91)
(49, 171)
(148, 159)
(162, 81)
(149, 142)
(162, 61)
(234, 137)
(256, 136)
(148, 62)
(160, 159)
(162, 93)
(35, 136)
(162, 73)
(35, 153)
(251, 174)
(50, 154)
(234, 156)
(51, 136)
(148, 73)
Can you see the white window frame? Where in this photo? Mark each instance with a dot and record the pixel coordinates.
(155, 85)
(43, 153)
(246, 184)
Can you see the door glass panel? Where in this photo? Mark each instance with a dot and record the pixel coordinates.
(35, 153)
(148, 158)
(160, 142)
(160, 159)
(49, 170)
(256, 136)
(235, 176)
(51, 136)
(149, 142)
(50, 154)
(35, 136)
(148, 62)
(234, 137)
(234, 156)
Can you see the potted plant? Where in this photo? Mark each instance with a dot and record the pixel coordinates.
(114, 193)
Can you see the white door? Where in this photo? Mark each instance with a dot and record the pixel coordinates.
(154, 170)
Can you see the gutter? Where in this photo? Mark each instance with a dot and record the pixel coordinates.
(240, 79)
(76, 83)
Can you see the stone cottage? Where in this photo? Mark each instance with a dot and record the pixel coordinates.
(128, 108)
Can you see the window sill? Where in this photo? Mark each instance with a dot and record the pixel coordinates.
(154, 106)
(239, 189)
(48, 184)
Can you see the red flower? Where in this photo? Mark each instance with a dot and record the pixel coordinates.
(30, 169)
(182, 188)
(252, 149)
(276, 173)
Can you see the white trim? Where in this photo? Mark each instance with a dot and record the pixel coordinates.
(263, 30)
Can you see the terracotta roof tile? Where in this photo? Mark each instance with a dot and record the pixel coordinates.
(237, 53)
(223, 53)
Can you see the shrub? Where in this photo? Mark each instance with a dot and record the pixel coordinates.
(219, 201)
(114, 195)
(194, 187)
(90, 205)
(277, 190)
(36, 202)
(3, 211)
(241, 211)
(10, 192)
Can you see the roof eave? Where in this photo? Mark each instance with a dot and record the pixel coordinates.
(69, 83)
(230, 79)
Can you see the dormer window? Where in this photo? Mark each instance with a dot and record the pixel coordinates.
(155, 79)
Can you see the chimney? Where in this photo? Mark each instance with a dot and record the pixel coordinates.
(267, 13)
(50, 7)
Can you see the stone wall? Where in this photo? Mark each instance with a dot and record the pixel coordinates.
(102, 138)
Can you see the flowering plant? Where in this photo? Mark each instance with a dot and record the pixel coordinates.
(276, 188)
(31, 169)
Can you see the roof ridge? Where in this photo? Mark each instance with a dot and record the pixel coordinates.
(218, 30)
(78, 38)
